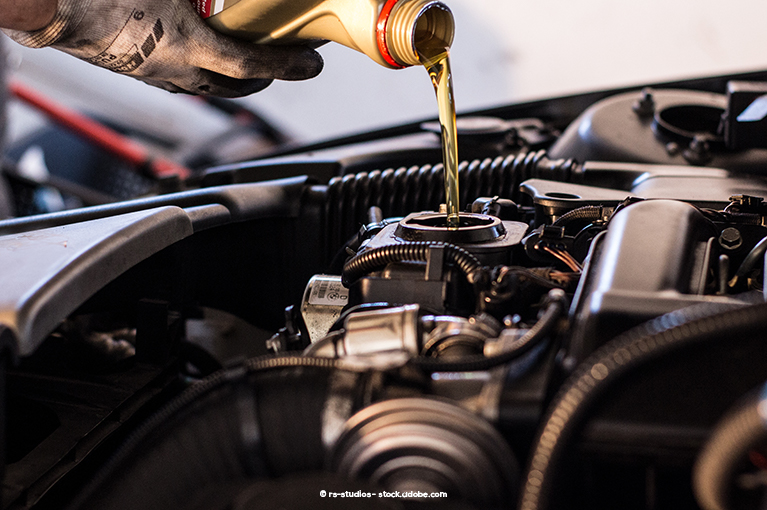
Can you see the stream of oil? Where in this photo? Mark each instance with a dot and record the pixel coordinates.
(434, 54)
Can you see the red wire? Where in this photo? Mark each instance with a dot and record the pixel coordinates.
(99, 134)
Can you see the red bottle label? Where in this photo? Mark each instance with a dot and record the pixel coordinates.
(208, 8)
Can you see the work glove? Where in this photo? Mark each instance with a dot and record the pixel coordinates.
(167, 44)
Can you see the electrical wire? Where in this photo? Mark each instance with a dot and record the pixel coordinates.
(377, 258)
(563, 256)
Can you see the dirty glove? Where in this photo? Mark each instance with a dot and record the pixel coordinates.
(165, 43)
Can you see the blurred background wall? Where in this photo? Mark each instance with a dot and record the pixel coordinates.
(504, 51)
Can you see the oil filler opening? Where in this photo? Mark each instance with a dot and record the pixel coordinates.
(684, 122)
(473, 228)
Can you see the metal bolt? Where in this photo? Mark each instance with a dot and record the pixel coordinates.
(672, 148)
(698, 152)
(645, 105)
(730, 239)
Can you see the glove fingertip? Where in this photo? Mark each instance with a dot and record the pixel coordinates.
(307, 64)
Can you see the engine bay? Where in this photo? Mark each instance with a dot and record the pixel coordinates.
(303, 330)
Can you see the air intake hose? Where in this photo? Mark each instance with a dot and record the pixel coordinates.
(613, 362)
(246, 423)
(743, 429)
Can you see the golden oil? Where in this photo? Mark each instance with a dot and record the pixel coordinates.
(434, 54)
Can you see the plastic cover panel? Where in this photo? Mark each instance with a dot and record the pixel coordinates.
(48, 273)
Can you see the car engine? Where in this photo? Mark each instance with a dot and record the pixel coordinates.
(302, 330)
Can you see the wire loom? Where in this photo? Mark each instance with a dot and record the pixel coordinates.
(377, 258)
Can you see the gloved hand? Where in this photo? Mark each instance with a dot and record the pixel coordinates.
(165, 43)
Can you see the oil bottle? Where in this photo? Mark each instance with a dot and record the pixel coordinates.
(384, 30)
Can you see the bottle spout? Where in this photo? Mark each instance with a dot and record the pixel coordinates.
(405, 25)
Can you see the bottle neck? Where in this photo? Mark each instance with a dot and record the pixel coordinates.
(403, 23)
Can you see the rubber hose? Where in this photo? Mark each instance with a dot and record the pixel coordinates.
(742, 429)
(755, 256)
(377, 258)
(613, 361)
(538, 332)
(248, 422)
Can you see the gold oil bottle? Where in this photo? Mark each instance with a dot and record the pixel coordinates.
(384, 30)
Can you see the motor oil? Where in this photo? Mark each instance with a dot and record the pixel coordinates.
(434, 54)
(384, 30)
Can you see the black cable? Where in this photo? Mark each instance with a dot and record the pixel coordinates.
(611, 362)
(366, 232)
(538, 332)
(755, 256)
(377, 258)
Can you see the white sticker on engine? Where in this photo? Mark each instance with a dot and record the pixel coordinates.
(329, 292)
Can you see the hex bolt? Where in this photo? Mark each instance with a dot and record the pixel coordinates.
(645, 105)
(698, 152)
(730, 239)
(672, 148)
